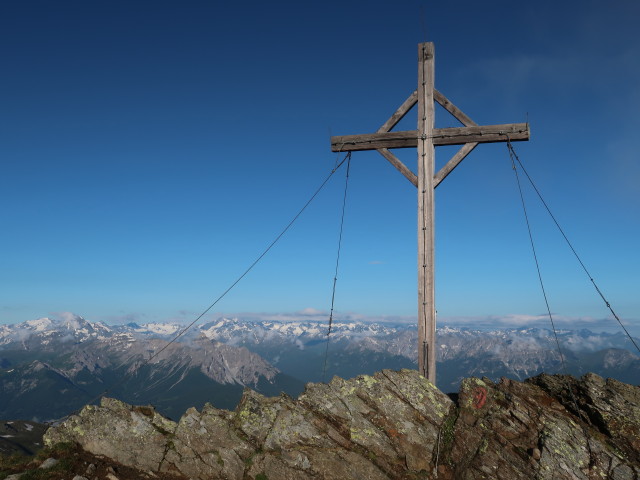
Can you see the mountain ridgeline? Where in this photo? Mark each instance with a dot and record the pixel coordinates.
(50, 368)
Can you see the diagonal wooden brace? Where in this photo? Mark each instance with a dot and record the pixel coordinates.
(388, 125)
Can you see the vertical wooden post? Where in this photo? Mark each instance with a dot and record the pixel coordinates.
(426, 210)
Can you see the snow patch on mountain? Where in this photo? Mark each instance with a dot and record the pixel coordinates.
(396, 339)
(40, 324)
(159, 328)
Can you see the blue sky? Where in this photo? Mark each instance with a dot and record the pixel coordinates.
(152, 150)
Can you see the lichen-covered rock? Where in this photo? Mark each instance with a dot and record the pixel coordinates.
(136, 436)
(255, 415)
(205, 445)
(395, 417)
(610, 406)
(521, 430)
(390, 425)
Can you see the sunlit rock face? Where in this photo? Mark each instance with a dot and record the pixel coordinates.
(394, 424)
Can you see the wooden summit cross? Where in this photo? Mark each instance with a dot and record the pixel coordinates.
(425, 138)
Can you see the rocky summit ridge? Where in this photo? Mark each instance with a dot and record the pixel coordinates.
(394, 424)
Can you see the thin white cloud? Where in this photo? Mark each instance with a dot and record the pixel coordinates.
(534, 321)
(313, 315)
(311, 311)
(123, 318)
(67, 317)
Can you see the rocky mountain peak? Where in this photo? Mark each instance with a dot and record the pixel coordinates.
(394, 424)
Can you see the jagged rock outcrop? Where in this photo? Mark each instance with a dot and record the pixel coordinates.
(391, 425)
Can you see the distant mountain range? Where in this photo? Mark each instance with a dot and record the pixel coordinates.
(50, 368)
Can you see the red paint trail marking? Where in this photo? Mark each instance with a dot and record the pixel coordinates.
(479, 397)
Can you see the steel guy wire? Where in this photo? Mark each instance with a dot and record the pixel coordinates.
(223, 294)
(513, 153)
(335, 276)
(544, 292)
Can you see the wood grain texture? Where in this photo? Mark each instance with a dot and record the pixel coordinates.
(516, 132)
(426, 213)
(402, 168)
(373, 141)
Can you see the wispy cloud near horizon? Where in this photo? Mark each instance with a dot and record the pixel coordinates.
(315, 315)
(538, 321)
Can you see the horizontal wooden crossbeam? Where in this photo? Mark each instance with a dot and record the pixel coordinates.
(373, 141)
(441, 136)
